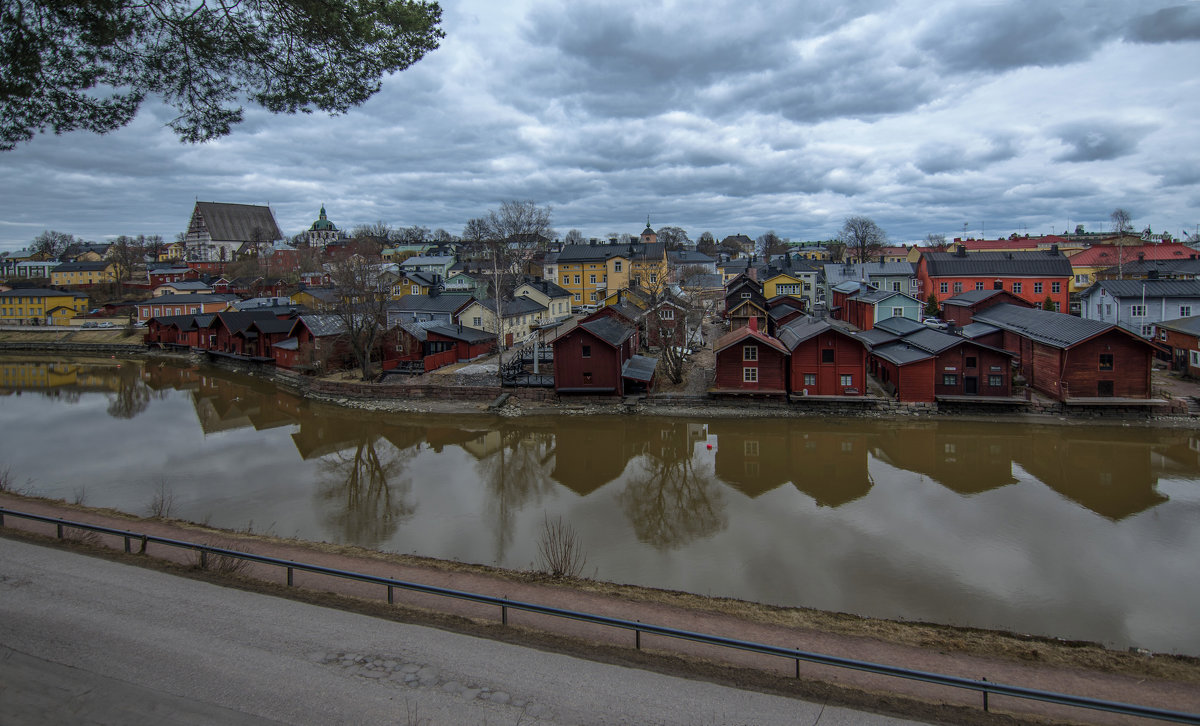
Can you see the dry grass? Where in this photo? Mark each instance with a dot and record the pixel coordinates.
(218, 563)
(162, 502)
(560, 553)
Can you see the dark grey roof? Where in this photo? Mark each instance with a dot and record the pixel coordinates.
(273, 325)
(427, 279)
(639, 368)
(1149, 288)
(805, 328)
(966, 299)
(609, 330)
(1141, 268)
(1058, 330)
(289, 344)
(628, 310)
(878, 296)
(705, 282)
(1191, 325)
(177, 320)
(839, 271)
(932, 341)
(238, 222)
(323, 325)
(460, 332)
(442, 303)
(519, 305)
(547, 288)
(39, 292)
(598, 252)
(900, 325)
(1008, 264)
(901, 353)
(81, 266)
(236, 321)
(417, 330)
(877, 336)
(689, 257)
(977, 330)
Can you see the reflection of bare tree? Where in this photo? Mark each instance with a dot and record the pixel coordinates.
(132, 396)
(670, 504)
(516, 475)
(370, 501)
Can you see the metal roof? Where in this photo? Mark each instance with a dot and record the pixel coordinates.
(639, 368)
(805, 328)
(900, 325)
(459, 332)
(323, 325)
(901, 353)
(1058, 330)
(442, 303)
(932, 341)
(738, 335)
(39, 292)
(877, 336)
(1191, 325)
(1146, 288)
(977, 330)
(1006, 264)
(965, 299)
(609, 330)
(600, 252)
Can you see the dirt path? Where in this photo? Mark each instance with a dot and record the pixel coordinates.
(1169, 682)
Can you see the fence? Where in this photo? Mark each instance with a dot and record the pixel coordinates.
(983, 686)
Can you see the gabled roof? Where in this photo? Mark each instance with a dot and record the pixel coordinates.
(611, 331)
(238, 222)
(178, 321)
(851, 287)
(705, 282)
(272, 325)
(519, 305)
(838, 271)
(1057, 330)
(424, 279)
(446, 302)
(1006, 264)
(1146, 288)
(738, 335)
(459, 332)
(547, 288)
(185, 299)
(806, 328)
(877, 336)
(901, 352)
(900, 325)
(966, 299)
(689, 257)
(874, 297)
(321, 325)
(187, 285)
(237, 321)
(438, 260)
(932, 341)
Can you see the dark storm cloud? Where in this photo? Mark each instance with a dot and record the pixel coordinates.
(1006, 36)
(939, 158)
(1168, 25)
(1097, 140)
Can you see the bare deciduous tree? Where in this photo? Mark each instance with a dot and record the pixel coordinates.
(862, 237)
(674, 238)
(49, 245)
(361, 306)
(707, 244)
(1122, 221)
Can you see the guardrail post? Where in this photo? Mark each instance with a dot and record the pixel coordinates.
(985, 697)
(390, 600)
(637, 638)
(289, 577)
(145, 540)
(203, 559)
(797, 664)
(59, 528)
(1, 519)
(504, 613)
(127, 544)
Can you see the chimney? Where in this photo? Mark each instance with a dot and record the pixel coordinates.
(751, 272)
(753, 324)
(1054, 249)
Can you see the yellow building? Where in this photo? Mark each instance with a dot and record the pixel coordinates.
(171, 252)
(593, 272)
(36, 306)
(76, 274)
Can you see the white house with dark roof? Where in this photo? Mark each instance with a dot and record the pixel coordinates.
(1138, 305)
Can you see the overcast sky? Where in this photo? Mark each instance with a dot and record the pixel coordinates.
(731, 117)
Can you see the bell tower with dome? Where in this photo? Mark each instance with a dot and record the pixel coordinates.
(322, 231)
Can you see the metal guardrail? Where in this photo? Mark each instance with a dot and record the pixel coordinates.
(982, 686)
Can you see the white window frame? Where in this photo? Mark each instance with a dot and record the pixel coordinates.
(750, 374)
(750, 352)
(1137, 311)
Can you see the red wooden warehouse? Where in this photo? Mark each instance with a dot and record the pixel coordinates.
(826, 358)
(750, 361)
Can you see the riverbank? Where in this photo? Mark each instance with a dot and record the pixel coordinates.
(1165, 681)
(471, 388)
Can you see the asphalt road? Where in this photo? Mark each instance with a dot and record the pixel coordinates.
(89, 641)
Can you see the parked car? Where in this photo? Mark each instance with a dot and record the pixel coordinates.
(107, 325)
(90, 324)
(937, 323)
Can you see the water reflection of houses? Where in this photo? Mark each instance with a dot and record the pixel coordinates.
(1177, 455)
(1111, 475)
(588, 457)
(822, 462)
(23, 375)
(958, 456)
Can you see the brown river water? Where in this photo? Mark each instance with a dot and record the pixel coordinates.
(1070, 531)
